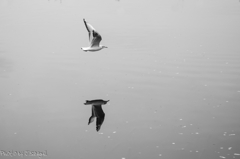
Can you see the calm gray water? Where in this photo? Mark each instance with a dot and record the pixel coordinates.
(171, 73)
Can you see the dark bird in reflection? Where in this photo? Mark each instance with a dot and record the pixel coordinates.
(97, 111)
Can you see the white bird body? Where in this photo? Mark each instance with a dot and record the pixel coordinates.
(94, 39)
(92, 48)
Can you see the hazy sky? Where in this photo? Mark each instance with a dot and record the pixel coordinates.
(171, 73)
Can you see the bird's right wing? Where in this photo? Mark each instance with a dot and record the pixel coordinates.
(99, 122)
(91, 119)
(100, 116)
(96, 39)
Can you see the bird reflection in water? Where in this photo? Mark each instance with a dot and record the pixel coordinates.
(97, 111)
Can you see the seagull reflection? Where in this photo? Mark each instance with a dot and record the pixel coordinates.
(97, 111)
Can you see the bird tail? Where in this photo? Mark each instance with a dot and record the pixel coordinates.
(87, 102)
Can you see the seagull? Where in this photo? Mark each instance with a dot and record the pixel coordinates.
(94, 39)
(97, 111)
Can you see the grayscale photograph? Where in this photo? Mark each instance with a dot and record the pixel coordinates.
(119, 79)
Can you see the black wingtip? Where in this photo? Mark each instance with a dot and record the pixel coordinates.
(98, 127)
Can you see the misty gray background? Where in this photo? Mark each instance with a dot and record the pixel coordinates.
(171, 73)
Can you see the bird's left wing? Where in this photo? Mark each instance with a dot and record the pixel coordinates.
(90, 30)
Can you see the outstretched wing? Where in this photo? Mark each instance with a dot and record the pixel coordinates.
(99, 122)
(96, 39)
(100, 116)
(91, 119)
(90, 30)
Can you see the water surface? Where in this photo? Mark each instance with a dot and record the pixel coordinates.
(171, 73)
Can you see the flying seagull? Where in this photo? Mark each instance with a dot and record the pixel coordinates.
(97, 111)
(94, 39)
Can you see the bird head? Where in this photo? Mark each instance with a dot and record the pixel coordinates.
(105, 102)
(104, 46)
